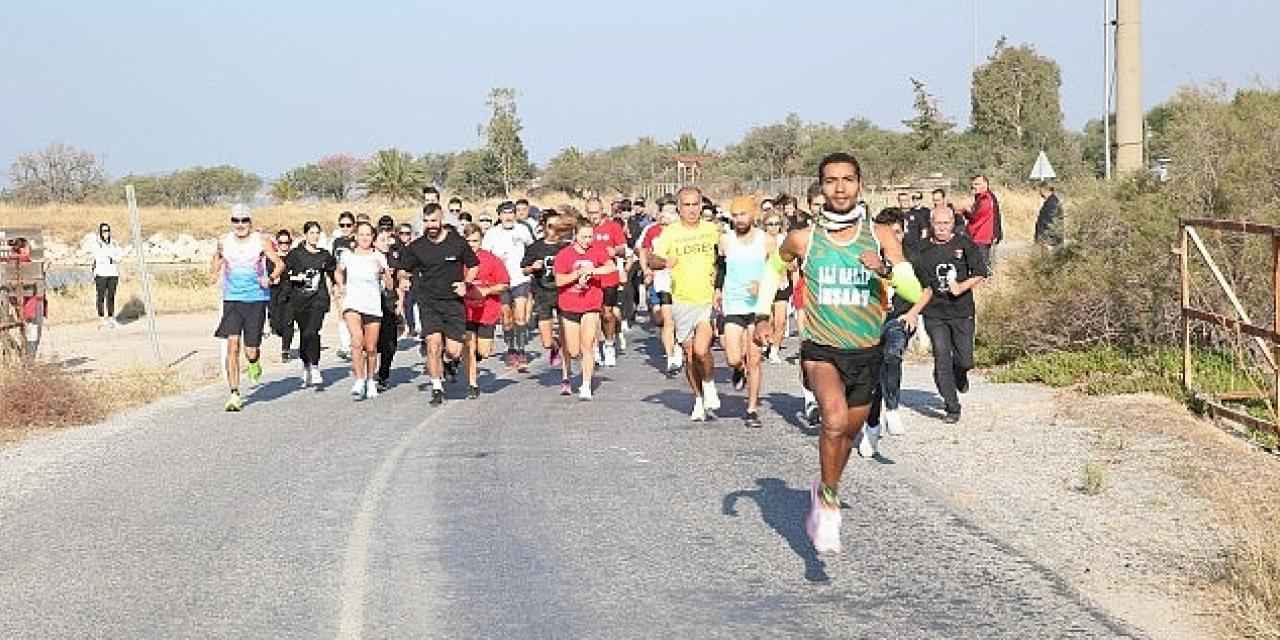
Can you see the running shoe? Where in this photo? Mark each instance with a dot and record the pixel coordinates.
(679, 357)
(234, 403)
(510, 359)
(811, 414)
(371, 388)
(382, 385)
(610, 356)
(584, 392)
(672, 367)
(892, 423)
(622, 337)
(951, 418)
(739, 379)
(711, 399)
(522, 363)
(473, 392)
(962, 380)
(566, 389)
(869, 441)
(357, 389)
(699, 412)
(823, 523)
(255, 372)
(752, 420)
(553, 355)
(437, 397)
(307, 381)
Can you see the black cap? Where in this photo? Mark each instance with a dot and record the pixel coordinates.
(386, 222)
(506, 205)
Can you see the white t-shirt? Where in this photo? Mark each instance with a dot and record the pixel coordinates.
(106, 260)
(509, 246)
(364, 282)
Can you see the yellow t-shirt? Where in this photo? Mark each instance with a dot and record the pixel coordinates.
(693, 279)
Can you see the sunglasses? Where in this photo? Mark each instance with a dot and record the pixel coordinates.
(404, 233)
(241, 220)
(773, 224)
(345, 226)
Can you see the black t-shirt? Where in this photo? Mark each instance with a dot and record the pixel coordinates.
(917, 223)
(436, 266)
(545, 253)
(938, 265)
(308, 274)
(343, 244)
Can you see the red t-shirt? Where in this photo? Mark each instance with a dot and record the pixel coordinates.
(610, 234)
(574, 297)
(650, 235)
(487, 310)
(982, 220)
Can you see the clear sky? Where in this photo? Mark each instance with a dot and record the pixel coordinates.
(270, 84)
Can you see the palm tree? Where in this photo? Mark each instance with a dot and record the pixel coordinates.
(395, 175)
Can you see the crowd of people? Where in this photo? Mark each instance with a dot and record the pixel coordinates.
(744, 275)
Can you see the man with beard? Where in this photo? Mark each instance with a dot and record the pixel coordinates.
(743, 252)
(443, 265)
(845, 312)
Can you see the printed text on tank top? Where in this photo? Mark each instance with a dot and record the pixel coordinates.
(843, 299)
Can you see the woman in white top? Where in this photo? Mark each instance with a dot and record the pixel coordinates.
(106, 274)
(361, 275)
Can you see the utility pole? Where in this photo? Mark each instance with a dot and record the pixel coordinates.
(1129, 125)
(1106, 85)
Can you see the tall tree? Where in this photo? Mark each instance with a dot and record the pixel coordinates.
(502, 140)
(1016, 98)
(395, 175)
(929, 127)
(476, 173)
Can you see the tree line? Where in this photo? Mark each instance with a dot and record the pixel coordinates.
(1015, 113)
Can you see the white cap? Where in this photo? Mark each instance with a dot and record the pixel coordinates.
(240, 211)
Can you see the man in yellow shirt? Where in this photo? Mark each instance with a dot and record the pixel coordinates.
(688, 249)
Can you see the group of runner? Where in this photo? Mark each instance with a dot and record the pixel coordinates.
(851, 280)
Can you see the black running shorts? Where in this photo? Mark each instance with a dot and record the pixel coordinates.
(859, 368)
(482, 331)
(544, 303)
(744, 320)
(243, 319)
(610, 297)
(446, 317)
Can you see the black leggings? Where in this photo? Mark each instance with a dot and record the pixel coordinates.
(309, 318)
(388, 340)
(106, 286)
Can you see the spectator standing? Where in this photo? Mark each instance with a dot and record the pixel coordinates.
(983, 219)
(1048, 223)
(106, 275)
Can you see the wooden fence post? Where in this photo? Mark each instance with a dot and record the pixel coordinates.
(1186, 304)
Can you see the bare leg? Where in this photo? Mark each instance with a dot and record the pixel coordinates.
(840, 422)
(352, 320)
(233, 362)
(587, 332)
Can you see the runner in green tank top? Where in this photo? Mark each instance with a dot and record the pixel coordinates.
(845, 311)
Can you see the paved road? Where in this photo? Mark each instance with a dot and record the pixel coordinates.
(522, 515)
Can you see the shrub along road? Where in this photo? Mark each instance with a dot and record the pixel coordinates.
(521, 515)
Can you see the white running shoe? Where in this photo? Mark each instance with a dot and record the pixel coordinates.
(306, 376)
(370, 388)
(584, 392)
(892, 423)
(679, 357)
(671, 365)
(869, 441)
(699, 413)
(610, 356)
(357, 389)
(822, 524)
(711, 399)
(622, 336)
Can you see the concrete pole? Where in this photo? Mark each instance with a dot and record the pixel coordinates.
(1106, 86)
(1129, 129)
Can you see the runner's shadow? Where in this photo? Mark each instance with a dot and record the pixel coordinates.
(924, 403)
(784, 510)
(791, 409)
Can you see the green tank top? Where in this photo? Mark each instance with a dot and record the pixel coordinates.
(844, 302)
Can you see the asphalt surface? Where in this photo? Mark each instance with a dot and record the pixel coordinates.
(520, 515)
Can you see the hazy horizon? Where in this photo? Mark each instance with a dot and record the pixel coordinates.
(267, 88)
